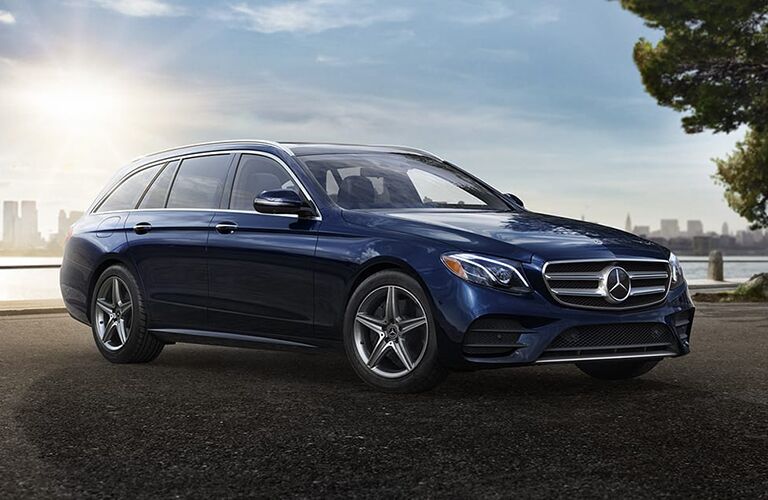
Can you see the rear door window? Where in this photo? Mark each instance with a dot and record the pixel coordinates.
(199, 182)
(127, 194)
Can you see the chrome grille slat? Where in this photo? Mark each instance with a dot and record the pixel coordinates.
(647, 290)
(578, 292)
(648, 276)
(582, 283)
(574, 276)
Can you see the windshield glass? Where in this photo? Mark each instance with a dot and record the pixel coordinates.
(392, 180)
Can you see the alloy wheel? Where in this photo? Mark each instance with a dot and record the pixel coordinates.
(114, 313)
(391, 331)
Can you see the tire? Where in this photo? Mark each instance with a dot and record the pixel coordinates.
(616, 370)
(367, 323)
(131, 343)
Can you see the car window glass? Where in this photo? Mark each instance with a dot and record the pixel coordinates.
(158, 191)
(127, 194)
(199, 182)
(433, 189)
(256, 174)
(390, 180)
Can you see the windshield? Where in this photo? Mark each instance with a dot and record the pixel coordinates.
(393, 180)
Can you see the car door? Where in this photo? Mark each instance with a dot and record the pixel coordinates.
(260, 266)
(167, 237)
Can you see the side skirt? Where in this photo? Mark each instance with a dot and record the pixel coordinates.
(188, 336)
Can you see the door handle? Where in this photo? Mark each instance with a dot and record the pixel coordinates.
(142, 228)
(226, 227)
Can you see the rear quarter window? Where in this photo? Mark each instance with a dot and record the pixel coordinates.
(127, 193)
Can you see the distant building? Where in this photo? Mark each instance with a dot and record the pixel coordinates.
(628, 224)
(694, 228)
(644, 231)
(670, 228)
(725, 231)
(28, 234)
(10, 223)
(65, 221)
(702, 245)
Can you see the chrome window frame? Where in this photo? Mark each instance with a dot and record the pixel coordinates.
(181, 158)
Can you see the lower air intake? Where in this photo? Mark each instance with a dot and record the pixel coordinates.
(594, 341)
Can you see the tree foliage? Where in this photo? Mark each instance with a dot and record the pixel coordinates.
(712, 65)
(712, 62)
(744, 173)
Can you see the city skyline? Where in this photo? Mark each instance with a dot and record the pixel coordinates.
(21, 229)
(480, 85)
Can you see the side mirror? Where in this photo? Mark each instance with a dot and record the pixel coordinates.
(282, 201)
(515, 199)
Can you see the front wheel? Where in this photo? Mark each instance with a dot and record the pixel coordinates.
(390, 336)
(617, 370)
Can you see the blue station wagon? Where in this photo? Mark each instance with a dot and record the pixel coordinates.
(409, 264)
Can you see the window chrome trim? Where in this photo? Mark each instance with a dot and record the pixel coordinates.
(181, 159)
(599, 292)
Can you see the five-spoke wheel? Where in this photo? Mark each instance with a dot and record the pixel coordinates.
(119, 319)
(390, 336)
(114, 313)
(391, 331)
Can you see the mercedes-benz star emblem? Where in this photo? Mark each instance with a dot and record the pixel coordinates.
(617, 284)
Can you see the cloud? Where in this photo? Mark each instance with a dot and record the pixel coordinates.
(313, 16)
(6, 17)
(485, 12)
(545, 14)
(338, 61)
(141, 8)
(505, 55)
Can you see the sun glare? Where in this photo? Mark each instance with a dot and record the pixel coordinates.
(75, 101)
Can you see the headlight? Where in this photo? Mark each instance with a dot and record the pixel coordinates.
(494, 272)
(677, 271)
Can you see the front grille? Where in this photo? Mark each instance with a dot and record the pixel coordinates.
(585, 284)
(493, 336)
(624, 339)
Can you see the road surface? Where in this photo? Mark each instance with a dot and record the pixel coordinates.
(222, 422)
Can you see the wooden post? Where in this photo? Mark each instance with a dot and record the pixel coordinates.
(715, 270)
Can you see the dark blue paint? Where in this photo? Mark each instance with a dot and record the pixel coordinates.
(289, 279)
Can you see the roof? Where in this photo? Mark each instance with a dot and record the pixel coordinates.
(294, 148)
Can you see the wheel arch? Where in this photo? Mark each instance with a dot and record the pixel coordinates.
(384, 264)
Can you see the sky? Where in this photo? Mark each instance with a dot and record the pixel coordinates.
(541, 98)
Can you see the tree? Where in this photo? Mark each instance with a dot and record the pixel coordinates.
(712, 65)
(745, 177)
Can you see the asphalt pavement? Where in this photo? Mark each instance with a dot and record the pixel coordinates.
(212, 422)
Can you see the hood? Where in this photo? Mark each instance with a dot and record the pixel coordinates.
(518, 235)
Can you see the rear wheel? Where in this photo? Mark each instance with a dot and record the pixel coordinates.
(119, 319)
(617, 370)
(389, 334)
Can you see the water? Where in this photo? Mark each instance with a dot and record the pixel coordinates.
(733, 267)
(29, 284)
(33, 284)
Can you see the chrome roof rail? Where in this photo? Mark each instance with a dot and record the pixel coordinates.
(423, 152)
(409, 149)
(209, 143)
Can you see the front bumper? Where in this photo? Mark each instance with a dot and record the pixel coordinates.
(539, 321)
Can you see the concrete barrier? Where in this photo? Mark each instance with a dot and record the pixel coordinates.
(715, 269)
